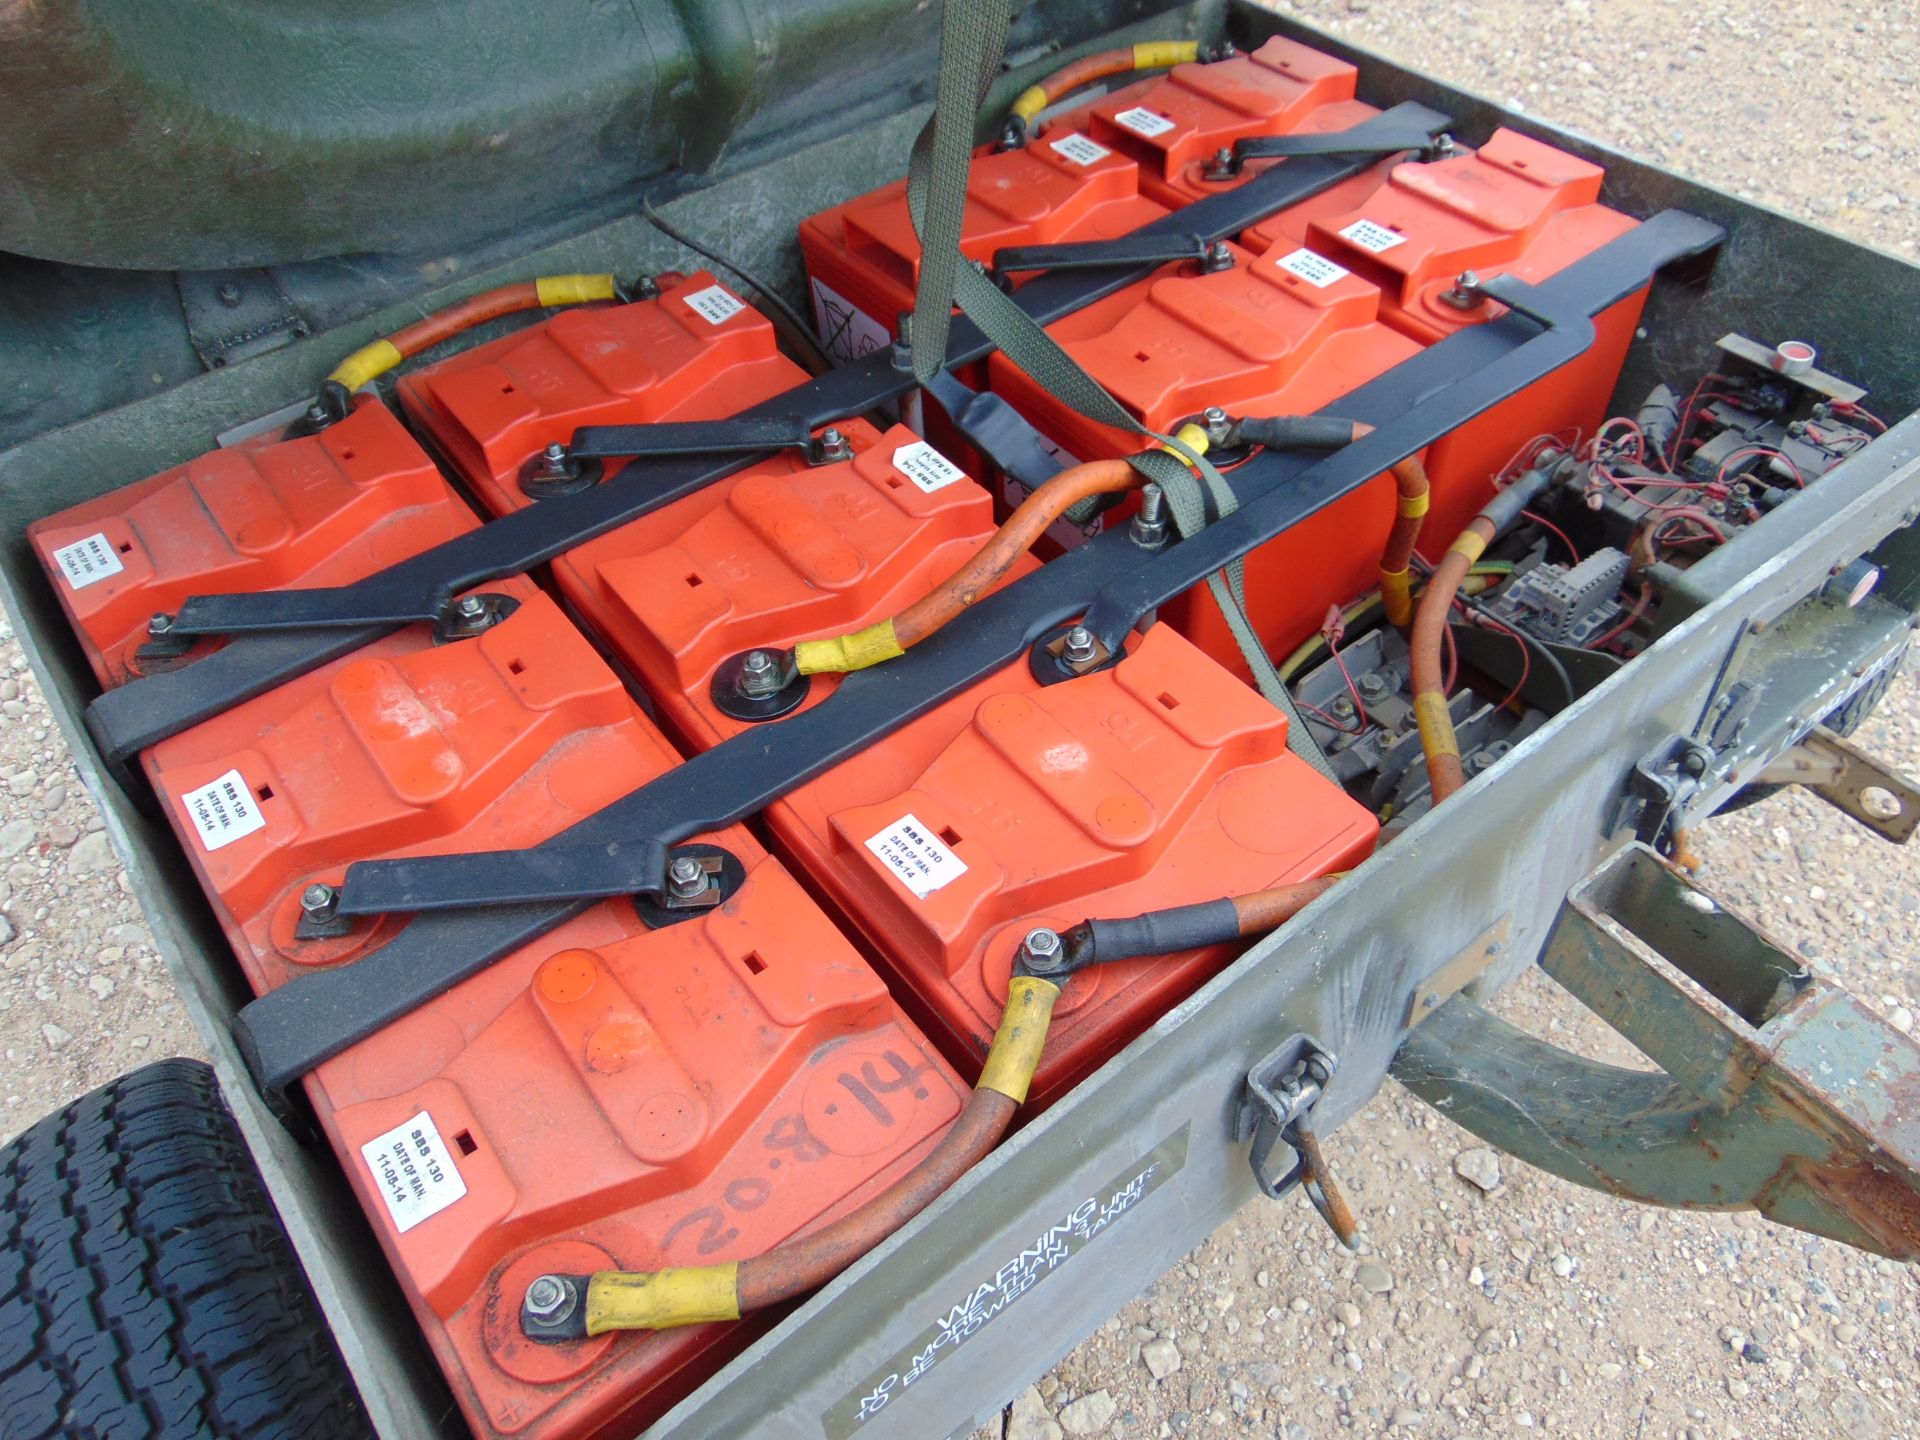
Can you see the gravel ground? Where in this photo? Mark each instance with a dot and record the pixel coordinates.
(1532, 1306)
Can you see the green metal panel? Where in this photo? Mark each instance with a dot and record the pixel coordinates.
(194, 134)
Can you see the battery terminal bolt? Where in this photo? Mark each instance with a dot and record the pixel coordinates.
(1041, 950)
(1467, 292)
(759, 675)
(1218, 424)
(832, 447)
(549, 1298)
(686, 878)
(1079, 646)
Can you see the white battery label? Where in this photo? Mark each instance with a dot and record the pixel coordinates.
(222, 812)
(1369, 236)
(1316, 270)
(917, 857)
(86, 562)
(926, 466)
(413, 1171)
(715, 304)
(1079, 149)
(1142, 121)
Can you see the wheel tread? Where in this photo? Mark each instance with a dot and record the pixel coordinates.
(146, 1288)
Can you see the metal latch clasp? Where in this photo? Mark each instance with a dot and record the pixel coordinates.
(1276, 1121)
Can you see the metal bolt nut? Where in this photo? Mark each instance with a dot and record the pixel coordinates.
(1372, 686)
(759, 675)
(686, 878)
(229, 295)
(470, 607)
(160, 624)
(1219, 257)
(318, 898)
(555, 455)
(1078, 647)
(549, 1297)
(833, 446)
(1041, 949)
(1149, 527)
(1342, 707)
(1219, 425)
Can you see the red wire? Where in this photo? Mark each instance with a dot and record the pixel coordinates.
(1686, 417)
(1847, 407)
(1633, 617)
(1359, 705)
(1529, 451)
(1721, 476)
(1526, 660)
(1316, 710)
(1548, 525)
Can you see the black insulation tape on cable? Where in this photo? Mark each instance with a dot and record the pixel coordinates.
(1297, 432)
(1165, 932)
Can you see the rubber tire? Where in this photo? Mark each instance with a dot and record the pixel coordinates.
(146, 1286)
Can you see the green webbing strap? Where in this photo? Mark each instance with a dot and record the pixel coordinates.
(973, 36)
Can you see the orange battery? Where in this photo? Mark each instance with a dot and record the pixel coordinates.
(863, 256)
(402, 748)
(265, 514)
(777, 553)
(1171, 126)
(1514, 207)
(1283, 334)
(619, 1098)
(614, 1096)
(697, 352)
(1160, 782)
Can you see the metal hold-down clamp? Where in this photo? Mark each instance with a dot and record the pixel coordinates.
(667, 886)
(1382, 135)
(1127, 250)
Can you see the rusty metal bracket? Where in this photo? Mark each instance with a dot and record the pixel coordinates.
(1778, 1091)
(1459, 972)
(1850, 780)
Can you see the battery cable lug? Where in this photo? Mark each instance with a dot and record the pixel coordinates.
(549, 1309)
(329, 407)
(759, 685)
